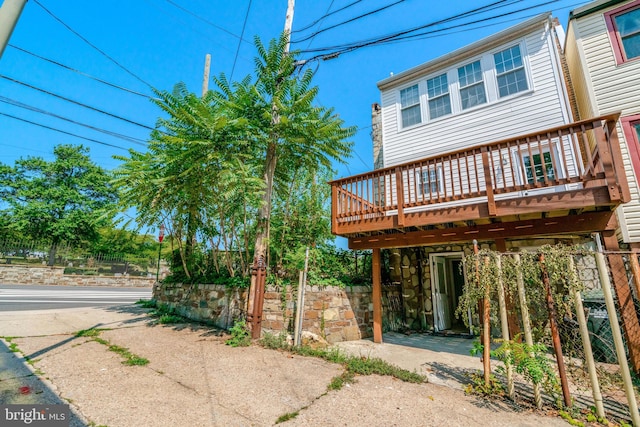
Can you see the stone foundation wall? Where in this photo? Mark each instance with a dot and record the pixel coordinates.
(334, 314)
(43, 275)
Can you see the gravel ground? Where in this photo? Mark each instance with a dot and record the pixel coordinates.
(193, 379)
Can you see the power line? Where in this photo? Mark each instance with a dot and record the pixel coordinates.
(406, 34)
(373, 40)
(206, 21)
(59, 64)
(319, 21)
(103, 53)
(62, 131)
(326, 15)
(246, 18)
(15, 103)
(312, 35)
(115, 116)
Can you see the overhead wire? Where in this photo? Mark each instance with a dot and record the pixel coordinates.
(19, 104)
(115, 116)
(62, 131)
(244, 25)
(206, 21)
(315, 33)
(59, 64)
(371, 40)
(319, 21)
(326, 15)
(406, 34)
(81, 37)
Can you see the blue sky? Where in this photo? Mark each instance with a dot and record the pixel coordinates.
(161, 43)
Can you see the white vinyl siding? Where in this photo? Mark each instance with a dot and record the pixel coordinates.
(542, 106)
(614, 88)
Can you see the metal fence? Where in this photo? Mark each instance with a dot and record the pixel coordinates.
(75, 260)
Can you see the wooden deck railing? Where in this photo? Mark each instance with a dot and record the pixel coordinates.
(585, 154)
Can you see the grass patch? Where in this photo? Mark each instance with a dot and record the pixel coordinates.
(338, 382)
(354, 365)
(14, 347)
(286, 417)
(239, 335)
(147, 303)
(91, 332)
(168, 319)
(129, 358)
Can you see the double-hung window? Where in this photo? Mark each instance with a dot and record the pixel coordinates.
(510, 72)
(430, 182)
(536, 165)
(472, 91)
(410, 106)
(623, 25)
(438, 94)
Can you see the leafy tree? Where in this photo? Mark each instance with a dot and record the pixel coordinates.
(288, 130)
(65, 200)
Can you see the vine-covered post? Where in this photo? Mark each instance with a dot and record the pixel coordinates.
(526, 323)
(486, 322)
(555, 335)
(588, 351)
(504, 323)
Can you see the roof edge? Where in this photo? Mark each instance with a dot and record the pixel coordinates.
(468, 50)
(592, 7)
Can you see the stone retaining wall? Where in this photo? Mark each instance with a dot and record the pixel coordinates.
(44, 275)
(332, 313)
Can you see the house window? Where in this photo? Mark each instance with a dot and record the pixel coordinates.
(623, 25)
(534, 169)
(439, 99)
(510, 71)
(471, 85)
(410, 106)
(430, 182)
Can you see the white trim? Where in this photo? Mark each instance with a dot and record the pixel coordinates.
(433, 278)
(558, 75)
(584, 65)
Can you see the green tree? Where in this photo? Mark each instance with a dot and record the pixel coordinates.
(288, 130)
(65, 200)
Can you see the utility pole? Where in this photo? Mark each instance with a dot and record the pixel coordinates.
(259, 267)
(205, 79)
(9, 13)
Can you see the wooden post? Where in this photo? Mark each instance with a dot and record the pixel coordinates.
(486, 323)
(555, 334)
(526, 324)
(617, 339)
(491, 203)
(504, 323)
(625, 300)
(512, 315)
(377, 297)
(400, 197)
(588, 351)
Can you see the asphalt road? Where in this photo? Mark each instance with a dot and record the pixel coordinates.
(23, 297)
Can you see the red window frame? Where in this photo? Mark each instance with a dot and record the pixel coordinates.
(628, 127)
(616, 42)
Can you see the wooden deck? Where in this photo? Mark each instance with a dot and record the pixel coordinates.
(559, 172)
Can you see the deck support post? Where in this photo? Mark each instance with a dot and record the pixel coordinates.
(623, 293)
(377, 297)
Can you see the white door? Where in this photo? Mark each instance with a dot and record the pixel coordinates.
(442, 301)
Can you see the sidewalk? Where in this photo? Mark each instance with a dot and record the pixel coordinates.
(193, 379)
